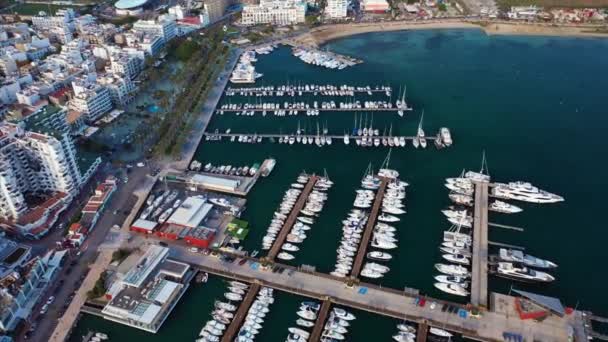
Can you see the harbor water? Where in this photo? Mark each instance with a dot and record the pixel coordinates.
(535, 105)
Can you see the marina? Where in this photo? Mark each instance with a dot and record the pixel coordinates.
(428, 170)
(308, 89)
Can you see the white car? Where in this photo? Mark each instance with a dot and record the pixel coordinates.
(193, 249)
(44, 309)
(50, 300)
(140, 164)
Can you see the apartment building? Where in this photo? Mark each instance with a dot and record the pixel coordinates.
(121, 88)
(163, 27)
(125, 64)
(276, 12)
(336, 9)
(41, 166)
(90, 98)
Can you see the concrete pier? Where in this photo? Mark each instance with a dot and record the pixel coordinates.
(302, 111)
(369, 228)
(333, 136)
(317, 330)
(291, 219)
(479, 265)
(241, 313)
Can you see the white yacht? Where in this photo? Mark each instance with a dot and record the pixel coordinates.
(452, 289)
(304, 323)
(387, 218)
(523, 191)
(513, 255)
(504, 207)
(376, 255)
(461, 199)
(449, 279)
(440, 332)
(285, 256)
(512, 271)
(455, 270)
(457, 258)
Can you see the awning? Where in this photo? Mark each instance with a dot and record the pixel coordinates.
(549, 303)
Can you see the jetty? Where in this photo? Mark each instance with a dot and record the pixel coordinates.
(241, 313)
(234, 137)
(489, 325)
(479, 264)
(291, 219)
(297, 111)
(317, 330)
(369, 228)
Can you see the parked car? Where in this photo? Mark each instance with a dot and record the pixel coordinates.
(44, 309)
(193, 250)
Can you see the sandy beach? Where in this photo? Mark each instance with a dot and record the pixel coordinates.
(320, 35)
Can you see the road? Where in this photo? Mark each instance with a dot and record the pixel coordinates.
(72, 276)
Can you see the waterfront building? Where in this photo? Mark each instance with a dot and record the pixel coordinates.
(39, 175)
(524, 12)
(163, 27)
(276, 12)
(375, 6)
(148, 43)
(90, 98)
(144, 296)
(122, 90)
(22, 285)
(215, 9)
(336, 9)
(55, 118)
(123, 63)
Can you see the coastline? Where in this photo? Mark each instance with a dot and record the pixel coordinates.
(323, 34)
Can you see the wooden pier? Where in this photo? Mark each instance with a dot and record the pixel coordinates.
(409, 138)
(422, 332)
(241, 313)
(369, 228)
(479, 268)
(291, 219)
(317, 330)
(303, 110)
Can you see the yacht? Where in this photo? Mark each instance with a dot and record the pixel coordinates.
(290, 248)
(383, 244)
(449, 279)
(307, 314)
(523, 191)
(304, 323)
(299, 332)
(404, 337)
(233, 296)
(387, 218)
(285, 256)
(382, 256)
(461, 199)
(455, 270)
(457, 259)
(452, 289)
(440, 332)
(343, 314)
(512, 271)
(513, 255)
(504, 207)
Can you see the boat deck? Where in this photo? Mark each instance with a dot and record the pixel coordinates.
(369, 228)
(479, 265)
(241, 313)
(317, 330)
(291, 219)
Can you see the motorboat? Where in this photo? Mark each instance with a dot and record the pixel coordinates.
(285, 256)
(440, 332)
(449, 279)
(225, 306)
(452, 289)
(376, 255)
(299, 332)
(382, 244)
(307, 314)
(289, 247)
(304, 323)
(233, 296)
(504, 207)
(305, 219)
(236, 290)
(452, 270)
(513, 255)
(457, 258)
(343, 314)
(333, 335)
(387, 218)
(512, 271)
(406, 328)
(311, 305)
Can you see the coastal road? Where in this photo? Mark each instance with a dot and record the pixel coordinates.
(72, 277)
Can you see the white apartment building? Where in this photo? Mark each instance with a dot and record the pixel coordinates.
(336, 9)
(125, 64)
(22, 286)
(121, 88)
(276, 12)
(165, 28)
(31, 163)
(63, 18)
(90, 98)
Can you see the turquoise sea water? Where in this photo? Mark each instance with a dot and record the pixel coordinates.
(536, 105)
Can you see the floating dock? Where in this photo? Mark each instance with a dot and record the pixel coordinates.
(291, 219)
(369, 228)
(479, 265)
(241, 313)
(317, 330)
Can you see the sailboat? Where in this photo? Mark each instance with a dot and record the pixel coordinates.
(384, 169)
(346, 139)
(360, 130)
(298, 133)
(355, 125)
(390, 141)
(384, 140)
(420, 133)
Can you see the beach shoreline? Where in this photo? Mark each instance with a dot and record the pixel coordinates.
(326, 33)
